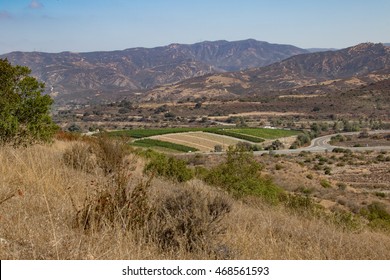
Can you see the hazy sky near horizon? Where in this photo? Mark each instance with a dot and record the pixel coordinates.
(95, 25)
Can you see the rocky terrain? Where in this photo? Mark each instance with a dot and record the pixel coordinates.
(321, 72)
(92, 76)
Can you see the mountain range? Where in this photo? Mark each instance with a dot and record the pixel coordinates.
(70, 76)
(310, 73)
(211, 69)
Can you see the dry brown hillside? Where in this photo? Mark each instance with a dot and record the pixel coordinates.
(51, 207)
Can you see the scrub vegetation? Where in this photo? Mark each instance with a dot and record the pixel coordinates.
(98, 198)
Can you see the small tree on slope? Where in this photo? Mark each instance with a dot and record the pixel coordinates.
(24, 110)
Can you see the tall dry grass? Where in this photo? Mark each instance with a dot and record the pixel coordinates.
(40, 195)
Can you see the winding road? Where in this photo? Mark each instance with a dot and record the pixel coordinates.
(321, 144)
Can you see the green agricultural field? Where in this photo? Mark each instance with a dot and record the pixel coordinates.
(255, 135)
(150, 143)
(231, 133)
(265, 133)
(147, 132)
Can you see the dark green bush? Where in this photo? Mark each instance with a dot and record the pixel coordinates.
(377, 215)
(346, 221)
(240, 175)
(168, 167)
(328, 170)
(302, 204)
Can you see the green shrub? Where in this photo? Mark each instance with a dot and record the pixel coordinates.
(342, 186)
(346, 221)
(278, 166)
(275, 145)
(377, 215)
(240, 175)
(328, 170)
(302, 204)
(303, 139)
(168, 167)
(325, 183)
(342, 150)
(305, 191)
(336, 139)
(380, 194)
(200, 172)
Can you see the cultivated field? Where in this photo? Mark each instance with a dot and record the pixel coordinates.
(203, 141)
(265, 133)
(163, 146)
(205, 138)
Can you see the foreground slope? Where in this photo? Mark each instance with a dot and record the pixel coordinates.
(38, 219)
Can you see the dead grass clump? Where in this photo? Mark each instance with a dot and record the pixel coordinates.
(110, 154)
(111, 206)
(102, 152)
(108, 203)
(177, 221)
(80, 156)
(189, 221)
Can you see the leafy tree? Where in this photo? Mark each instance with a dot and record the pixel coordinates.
(24, 110)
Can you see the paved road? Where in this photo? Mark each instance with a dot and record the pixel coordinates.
(321, 144)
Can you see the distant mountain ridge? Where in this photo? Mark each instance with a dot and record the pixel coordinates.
(304, 73)
(74, 75)
(314, 50)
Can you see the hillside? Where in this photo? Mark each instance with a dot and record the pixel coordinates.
(58, 204)
(306, 73)
(104, 75)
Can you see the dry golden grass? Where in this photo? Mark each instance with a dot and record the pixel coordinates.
(38, 221)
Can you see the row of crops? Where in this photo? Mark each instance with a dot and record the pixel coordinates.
(254, 135)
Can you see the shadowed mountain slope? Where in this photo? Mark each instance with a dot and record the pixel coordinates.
(71, 75)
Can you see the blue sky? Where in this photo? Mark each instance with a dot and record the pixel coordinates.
(91, 25)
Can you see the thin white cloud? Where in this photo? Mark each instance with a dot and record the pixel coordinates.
(34, 4)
